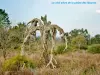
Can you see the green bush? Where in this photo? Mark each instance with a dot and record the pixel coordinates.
(60, 49)
(79, 42)
(95, 48)
(16, 63)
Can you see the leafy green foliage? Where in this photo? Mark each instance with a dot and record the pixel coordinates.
(79, 42)
(76, 32)
(16, 63)
(4, 19)
(95, 39)
(95, 48)
(60, 49)
(17, 35)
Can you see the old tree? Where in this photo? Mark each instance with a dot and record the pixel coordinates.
(46, 29)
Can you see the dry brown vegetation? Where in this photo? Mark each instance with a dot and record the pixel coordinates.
(77, 63)
(71, 63)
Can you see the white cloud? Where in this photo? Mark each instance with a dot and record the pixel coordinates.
(97, 11)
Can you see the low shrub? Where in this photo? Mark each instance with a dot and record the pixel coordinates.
(60, 49)
(79, 42)
(95, 48)
(17, 62)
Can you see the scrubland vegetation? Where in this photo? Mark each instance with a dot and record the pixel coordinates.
(82, 57)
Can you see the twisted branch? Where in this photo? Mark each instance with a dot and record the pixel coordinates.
(44, 30)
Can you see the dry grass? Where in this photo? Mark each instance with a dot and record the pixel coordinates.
(77, 63)
(24, 72)
(72, 63)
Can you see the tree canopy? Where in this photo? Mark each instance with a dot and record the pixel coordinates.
(4, 19)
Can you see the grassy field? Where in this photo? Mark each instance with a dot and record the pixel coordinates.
(70, 63)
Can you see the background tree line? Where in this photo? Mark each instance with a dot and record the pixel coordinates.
(12, 36)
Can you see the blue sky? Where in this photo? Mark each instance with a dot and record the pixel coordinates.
(66, 16)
